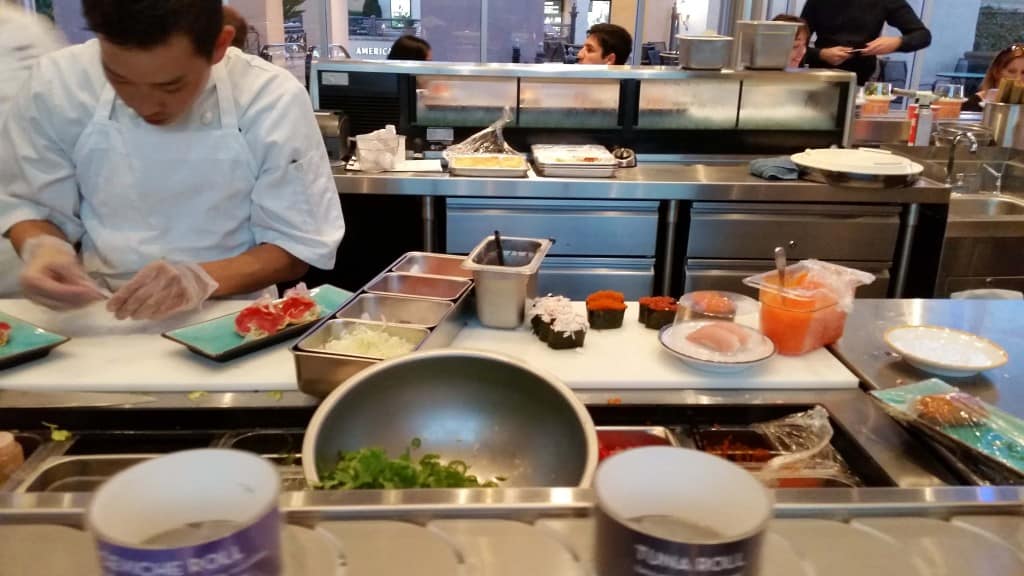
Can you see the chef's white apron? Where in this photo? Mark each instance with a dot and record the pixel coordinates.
(150, 193)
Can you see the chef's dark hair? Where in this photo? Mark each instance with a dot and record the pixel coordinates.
(613, 39)
(149, 23)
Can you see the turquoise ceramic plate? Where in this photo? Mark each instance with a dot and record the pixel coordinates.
(26, 342)
(999, 438)
(216, 339)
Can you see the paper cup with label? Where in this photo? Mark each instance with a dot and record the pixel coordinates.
(665, 511)
(190, 513)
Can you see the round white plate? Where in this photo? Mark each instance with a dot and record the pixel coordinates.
(945, 351)
(673, 339)
(871, 163)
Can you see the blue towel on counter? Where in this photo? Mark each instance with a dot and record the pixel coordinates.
(778, 168)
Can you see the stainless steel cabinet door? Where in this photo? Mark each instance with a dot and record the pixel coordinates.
(575, 278)
(751, 231)
(729, 274)
(579, 227)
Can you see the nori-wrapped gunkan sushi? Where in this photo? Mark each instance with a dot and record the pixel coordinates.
(544, 311)
(606, 309)
(567, 331)
(661, 313)
(647, 301)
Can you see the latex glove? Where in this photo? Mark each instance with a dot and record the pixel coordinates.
(52, 275)
(836, 55)
(882, 46)
(162, 289)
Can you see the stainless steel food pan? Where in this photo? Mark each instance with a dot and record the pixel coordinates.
(435, 287)
(399, 310)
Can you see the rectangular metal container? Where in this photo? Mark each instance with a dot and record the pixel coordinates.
(502, 291)
(319, 372)
(764, 45)
(429, 264)
(704, 52)
(418, 286)
(317, 340)
(418, 312)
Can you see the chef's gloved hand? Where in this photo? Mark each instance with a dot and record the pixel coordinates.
(162, 289)
(52, 275)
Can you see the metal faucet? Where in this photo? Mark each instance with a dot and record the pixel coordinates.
(950, 166)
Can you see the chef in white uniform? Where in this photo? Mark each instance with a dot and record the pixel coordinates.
(159, 164)
(24, 37)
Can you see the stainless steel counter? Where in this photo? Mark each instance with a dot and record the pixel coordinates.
(863, 350)
(880, 437)
(647, 181)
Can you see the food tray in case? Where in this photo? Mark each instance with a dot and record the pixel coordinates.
(437, 321)
(488, 166)
(587, 161)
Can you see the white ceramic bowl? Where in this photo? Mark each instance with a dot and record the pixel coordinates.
(673, 339)
(945, 351)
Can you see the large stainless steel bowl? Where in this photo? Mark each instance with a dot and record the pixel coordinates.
(498, 415)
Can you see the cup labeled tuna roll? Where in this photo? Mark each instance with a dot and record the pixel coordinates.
(567, 332)
(606, 309)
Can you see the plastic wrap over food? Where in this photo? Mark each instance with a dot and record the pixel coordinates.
(490, 140)
(805, 442)
(959, 420)
(842, 281)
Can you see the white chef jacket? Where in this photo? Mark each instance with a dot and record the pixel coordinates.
(298, 210)
(24, 37)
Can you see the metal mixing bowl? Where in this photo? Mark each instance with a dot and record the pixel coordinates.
(495, 413)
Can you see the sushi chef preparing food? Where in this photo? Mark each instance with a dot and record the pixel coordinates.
(160, 167)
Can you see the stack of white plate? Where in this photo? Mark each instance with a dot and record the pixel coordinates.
(586, 161)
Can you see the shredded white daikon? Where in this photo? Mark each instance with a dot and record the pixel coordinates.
(366, 341)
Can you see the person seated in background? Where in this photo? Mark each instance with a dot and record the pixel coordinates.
(849, 33)
(1008, 64)
(235, 20)
(803, 37)
(410, 47)
(606, 44)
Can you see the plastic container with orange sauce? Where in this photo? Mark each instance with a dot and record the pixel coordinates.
(809, 312)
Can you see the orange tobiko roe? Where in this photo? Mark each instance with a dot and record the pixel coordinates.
(606, 300)
(800, 325)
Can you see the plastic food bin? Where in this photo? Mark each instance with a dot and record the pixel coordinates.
(809, 312)
(502, 291)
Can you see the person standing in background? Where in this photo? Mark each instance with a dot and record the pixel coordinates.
(235, 20)
(800, 41)
(849, 33)
(24, 37)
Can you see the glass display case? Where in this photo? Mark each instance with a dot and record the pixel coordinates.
(691, 104)
(568, 103)
(789, 106)
(462, 101)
